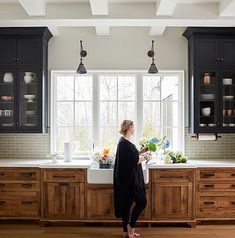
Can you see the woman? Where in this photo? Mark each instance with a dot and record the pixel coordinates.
(128, 181)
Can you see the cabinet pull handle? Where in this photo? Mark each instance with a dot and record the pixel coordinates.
(209, 203)
(27, 174)
(63, 177)
(2, 185)
(233, 202)
(233, 185)
(26, 202)
(2, 202)
(64, 184)
(233, 175)
(26, 185)
(2, 174)
(208, 175)
(209, 185)
(168, 177)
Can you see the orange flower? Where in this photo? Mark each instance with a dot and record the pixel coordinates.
(106, 151)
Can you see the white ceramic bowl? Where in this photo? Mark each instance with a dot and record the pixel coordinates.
(207, 96)
(211, 125)
(227, 81)
(231, 124)
(228, 97)
(30, 97)
(206, 111)
(30, 113)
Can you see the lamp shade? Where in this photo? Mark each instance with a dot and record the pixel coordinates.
(81, 69)
(153, 69)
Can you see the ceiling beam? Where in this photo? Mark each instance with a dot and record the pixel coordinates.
(99, 7)
(157, 30)
(34, 7)
(165, 7)
(227, 8)
(102, 30)
(168, 22)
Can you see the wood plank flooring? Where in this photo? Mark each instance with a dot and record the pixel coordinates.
(36, 231)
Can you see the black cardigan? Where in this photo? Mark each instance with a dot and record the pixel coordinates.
(128, 179)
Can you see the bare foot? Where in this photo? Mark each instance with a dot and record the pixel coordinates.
(136, 234)
(130, 231)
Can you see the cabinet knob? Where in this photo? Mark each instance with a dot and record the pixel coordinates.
(221, 59)
(27, 174)
(218, 59)
(209, 185)
(26, 185)
(208, 175)
(15, 59)
(209, 203)
(26, 202)
(2, 202)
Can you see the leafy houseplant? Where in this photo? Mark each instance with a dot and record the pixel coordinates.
(105, 158)
(171, 157)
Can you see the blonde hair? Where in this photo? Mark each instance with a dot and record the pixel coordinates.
(125, 126)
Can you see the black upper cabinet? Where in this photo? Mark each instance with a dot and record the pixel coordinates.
(24, 79)
(215, 53)
(8, 52)
(20, 52)
(211, 79)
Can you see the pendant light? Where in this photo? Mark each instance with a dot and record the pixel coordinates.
(81, 68)
(153, 69)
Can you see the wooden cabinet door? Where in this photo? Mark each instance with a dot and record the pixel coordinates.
(64, 200)
(100, 203)
(227, 52)
(171, 201)
(207, 52)
(8, 52)
(29, 51)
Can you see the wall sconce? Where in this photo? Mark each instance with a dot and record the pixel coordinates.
(81, 68)
(153, 69)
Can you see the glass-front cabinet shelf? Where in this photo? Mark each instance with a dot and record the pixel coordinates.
(24, 79)
(215, 101)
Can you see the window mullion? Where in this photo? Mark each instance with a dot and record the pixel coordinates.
(96, 109)
(139, 105)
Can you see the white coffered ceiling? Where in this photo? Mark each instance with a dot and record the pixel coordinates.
(106, 14)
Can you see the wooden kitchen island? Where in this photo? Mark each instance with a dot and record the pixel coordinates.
(187, 193)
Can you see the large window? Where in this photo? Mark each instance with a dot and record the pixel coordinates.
(87, 109)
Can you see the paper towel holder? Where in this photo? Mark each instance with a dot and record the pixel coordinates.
(196, 136)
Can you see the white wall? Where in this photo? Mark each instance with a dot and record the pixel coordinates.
(125, 48)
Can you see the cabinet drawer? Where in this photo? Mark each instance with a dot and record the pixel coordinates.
(64, 175)
(19, 187)
(172, 174)
(26, 174)
(27, 206)
(217, 174)
(216, 187)
(221, 206)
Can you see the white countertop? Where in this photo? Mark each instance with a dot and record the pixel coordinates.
(195, 164)
(47, 163)
(81, 163)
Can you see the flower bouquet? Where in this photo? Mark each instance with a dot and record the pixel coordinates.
(105, 158)
(171, 157)
(154, 144)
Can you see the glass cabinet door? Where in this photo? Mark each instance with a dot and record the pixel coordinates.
(208, 101)
(29, 99)
(7, 100)
(228, 98)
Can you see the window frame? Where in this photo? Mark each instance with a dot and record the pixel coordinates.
(96, 109)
